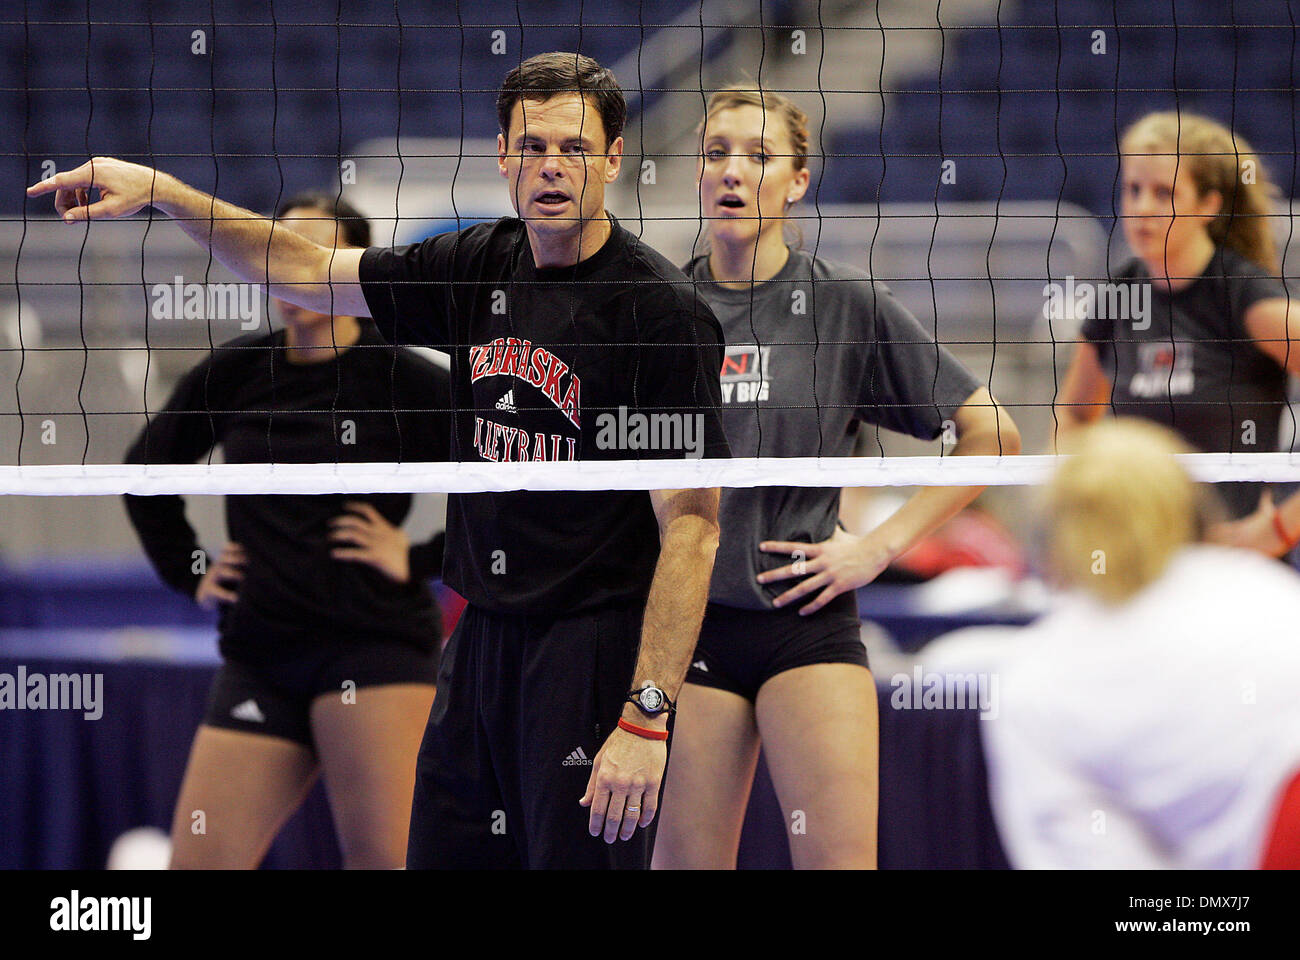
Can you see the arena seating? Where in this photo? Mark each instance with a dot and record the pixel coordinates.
(262, 97)
(1004, 95)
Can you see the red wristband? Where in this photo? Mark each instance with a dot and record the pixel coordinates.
(1281, 531)
(642, 731)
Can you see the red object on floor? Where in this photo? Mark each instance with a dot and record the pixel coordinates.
(1282, 852)
(970, 539)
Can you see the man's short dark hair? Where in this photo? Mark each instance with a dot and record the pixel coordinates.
(353, 226)
(543, 76)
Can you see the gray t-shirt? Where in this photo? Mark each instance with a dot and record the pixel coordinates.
(810, 353)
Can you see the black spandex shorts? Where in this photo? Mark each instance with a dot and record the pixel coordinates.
(274, 698)
(740, 650)
(524, 705)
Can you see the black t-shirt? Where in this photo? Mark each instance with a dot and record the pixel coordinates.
(1196, 368)
(541, 359)
(259, 407)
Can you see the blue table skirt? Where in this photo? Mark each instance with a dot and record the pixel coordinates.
(71, 785)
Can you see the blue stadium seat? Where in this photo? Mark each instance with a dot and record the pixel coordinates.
(978, 180)
(1262, 12)
(1270, 57)
(124, 51)
(972, 58)
(1087, 123)
(912, 179)
(1034, 178)
(1025, 120)
(1072, 13)
(970, 123)
(850, 170)
(1030, 60)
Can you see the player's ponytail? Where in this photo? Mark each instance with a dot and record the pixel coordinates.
(1220, 160)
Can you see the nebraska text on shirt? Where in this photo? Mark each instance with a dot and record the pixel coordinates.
(510, 356)
(496, 441)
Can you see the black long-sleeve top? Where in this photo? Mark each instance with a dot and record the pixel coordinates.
(372, 403)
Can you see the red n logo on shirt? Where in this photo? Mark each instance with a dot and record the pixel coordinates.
(736, 364)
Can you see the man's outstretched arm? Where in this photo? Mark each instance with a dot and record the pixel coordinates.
(255, 248)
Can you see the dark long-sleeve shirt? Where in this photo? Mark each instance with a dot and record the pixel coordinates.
(373, 403)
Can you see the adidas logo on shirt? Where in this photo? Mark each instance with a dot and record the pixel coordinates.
(576, 759)
(700, 665)
(507, 402)
(248, 710)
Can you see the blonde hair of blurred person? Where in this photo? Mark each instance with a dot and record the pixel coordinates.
(1157, 699)
(1122, 506)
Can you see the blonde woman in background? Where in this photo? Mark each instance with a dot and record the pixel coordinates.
(1151, 720)
(780, 660)
(1210, 358)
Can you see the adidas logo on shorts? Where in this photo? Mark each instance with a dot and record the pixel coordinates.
(576, 759)
(507, 402)
(700, 665)
(248, 710)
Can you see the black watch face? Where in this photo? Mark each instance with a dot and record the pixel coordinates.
(652, 699)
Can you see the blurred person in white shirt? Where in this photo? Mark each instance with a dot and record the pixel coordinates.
(1152, 720)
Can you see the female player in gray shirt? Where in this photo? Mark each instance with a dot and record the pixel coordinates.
(813, 349)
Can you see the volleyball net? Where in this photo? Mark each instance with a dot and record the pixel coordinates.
(967, 155)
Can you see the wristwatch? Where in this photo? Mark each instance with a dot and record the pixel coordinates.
(651, 701)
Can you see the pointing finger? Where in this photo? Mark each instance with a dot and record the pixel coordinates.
(67, 180)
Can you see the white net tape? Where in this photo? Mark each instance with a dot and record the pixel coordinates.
(355, 478)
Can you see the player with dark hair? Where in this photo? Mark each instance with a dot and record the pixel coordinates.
(555, 320)
(815, 349)
(328, 633)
